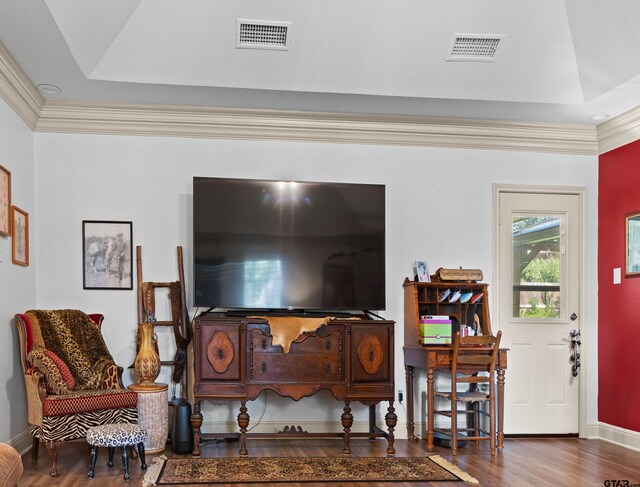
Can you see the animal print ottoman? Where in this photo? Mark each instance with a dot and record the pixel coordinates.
(112, 435)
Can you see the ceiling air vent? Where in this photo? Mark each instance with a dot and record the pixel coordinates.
(475, 47)
(263, 34)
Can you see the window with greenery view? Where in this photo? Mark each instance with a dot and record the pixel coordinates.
(536, 267)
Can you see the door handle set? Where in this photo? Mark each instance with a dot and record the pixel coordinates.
(574, 335)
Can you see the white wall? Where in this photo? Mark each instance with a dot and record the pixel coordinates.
(439, 208)
(17, 283)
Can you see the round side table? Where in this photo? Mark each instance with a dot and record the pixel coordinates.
(153, 414)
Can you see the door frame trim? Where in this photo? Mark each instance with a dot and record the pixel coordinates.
(581, 192)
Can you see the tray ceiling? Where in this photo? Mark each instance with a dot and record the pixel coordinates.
(557, 61)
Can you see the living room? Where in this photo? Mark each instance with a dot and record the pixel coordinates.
(116, 163)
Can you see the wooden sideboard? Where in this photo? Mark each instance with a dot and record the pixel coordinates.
(352, 358)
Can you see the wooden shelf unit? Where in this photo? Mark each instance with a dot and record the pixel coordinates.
(421, 298)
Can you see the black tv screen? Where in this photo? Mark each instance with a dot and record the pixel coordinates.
(288, 245)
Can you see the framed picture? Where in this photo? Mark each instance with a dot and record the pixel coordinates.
(20, 232)
(5, 202)
(107, 255)
(633, 244)
(422, 271)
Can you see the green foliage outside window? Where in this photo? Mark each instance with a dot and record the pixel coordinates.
(542, 271)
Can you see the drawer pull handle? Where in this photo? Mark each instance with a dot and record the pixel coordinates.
(371, 355)
(264, 367)
(327, 368)
(328, 343)
(264, 343)
(220, 353)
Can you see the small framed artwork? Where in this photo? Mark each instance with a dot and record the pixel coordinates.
(107, 255)
(5, 201)
(633, 244)
(422, 271)
(20, 232)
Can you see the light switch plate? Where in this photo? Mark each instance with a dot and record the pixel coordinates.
(617, 277)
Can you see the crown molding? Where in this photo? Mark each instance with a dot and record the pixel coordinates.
(17, 89)
(229, 123)
(620, 130)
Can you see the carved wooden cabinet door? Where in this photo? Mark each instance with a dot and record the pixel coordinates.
(370, 353)
(221, 357)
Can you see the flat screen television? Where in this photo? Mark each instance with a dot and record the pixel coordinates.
(272, 245)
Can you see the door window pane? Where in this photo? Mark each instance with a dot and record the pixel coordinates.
(536, 266)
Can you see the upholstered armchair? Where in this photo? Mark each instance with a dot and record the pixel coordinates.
(71, 379)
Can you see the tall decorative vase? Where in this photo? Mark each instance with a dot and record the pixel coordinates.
(147, 364)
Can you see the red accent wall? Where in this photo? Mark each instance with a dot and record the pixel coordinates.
(618, 304)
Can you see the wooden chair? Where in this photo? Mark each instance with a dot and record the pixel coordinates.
(473, 363)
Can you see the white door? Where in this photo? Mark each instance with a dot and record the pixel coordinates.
(538, 307)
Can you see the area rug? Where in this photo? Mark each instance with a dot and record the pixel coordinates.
(181, 471)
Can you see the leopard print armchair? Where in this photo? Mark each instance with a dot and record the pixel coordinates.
(71, 379)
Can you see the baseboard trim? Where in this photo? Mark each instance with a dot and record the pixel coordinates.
(542, 435)
(593, 431)
(619, 436)
(226, 427)
(23, 442)
(601, 431)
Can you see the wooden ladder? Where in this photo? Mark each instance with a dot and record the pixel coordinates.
(179, 321)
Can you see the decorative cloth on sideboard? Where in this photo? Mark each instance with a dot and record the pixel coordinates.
(285, 329)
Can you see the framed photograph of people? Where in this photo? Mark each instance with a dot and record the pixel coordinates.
(5, 202)
(422, 271)
(20, 232)
(633, 244)
(107, 261)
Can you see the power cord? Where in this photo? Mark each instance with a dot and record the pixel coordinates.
(264, 408)
(401, 398)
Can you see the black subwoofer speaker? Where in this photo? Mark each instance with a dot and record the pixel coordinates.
(181, 432)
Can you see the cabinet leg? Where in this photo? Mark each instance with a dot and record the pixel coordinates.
(347, 422)
(391, 420)
(196, 423)
(243, 423)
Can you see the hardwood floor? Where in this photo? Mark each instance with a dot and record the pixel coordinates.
(524, 462)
